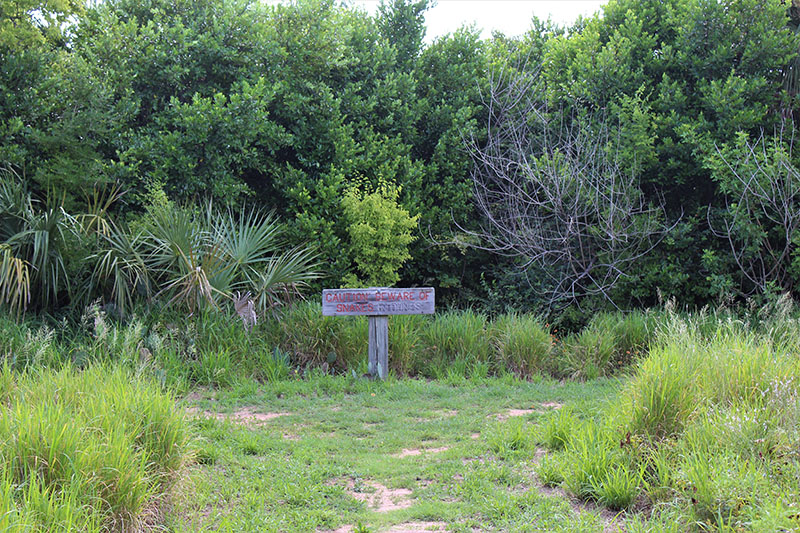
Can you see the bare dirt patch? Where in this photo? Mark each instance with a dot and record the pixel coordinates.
(407, 452)
(379, 497)
(552, 405)
(417, 527)
(515, 412)
(247, 416)
(407, 527)
(546, 406)
(475, 436)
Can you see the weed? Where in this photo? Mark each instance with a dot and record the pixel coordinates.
(456, 336)
(590, 460)
(549, 471)
(511, 436)
(618, 487)
(557, 428)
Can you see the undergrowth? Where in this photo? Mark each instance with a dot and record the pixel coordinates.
(706, 431)
(96, 450)
(214, 348)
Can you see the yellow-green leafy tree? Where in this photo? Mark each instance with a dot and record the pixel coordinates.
(380, 233)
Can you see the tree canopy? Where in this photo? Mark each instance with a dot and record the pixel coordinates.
(292, 107)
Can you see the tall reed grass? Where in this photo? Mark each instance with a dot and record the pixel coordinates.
(705, 431)
(85, 451)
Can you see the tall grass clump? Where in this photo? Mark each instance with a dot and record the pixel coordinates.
(523, 345)
(608, 343)
(88, 451)
(705, 430)
(454, 336)
(405, 342)
(313, 340)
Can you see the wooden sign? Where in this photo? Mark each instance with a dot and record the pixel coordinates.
(377, 303)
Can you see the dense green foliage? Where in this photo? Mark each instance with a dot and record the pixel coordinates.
(288, 107)
(380, 234)
(191, 258)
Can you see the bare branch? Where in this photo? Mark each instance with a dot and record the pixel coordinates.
(762, 212)
(551, 194)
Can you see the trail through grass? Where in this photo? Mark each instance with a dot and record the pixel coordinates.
(346, 455)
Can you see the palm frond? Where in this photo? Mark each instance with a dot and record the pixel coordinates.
(283, 276)
(120, 264)
(248, 239)
(15, 281)
(97, 219)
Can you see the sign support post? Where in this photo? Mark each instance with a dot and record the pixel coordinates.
(378, 361)
(378, 303)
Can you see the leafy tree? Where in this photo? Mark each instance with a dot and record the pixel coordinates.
(402, 23)
(679, 76)
(35, 23)
(380, 234)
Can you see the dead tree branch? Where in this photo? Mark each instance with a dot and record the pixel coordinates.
(762, 209)
(552, 192)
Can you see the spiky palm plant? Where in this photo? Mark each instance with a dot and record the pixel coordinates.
(200, 258)
(34, 237)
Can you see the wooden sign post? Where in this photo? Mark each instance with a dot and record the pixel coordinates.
(378, 303)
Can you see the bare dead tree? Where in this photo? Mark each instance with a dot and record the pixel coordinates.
(552, 193)
(762, 208)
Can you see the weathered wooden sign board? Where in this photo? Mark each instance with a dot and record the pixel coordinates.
(378, 303)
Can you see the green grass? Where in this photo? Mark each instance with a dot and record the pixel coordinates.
(705, 432)
(211, 348)
(96, 450)
(698, 431)
(340, 436)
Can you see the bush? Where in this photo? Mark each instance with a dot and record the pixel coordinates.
(379, 230)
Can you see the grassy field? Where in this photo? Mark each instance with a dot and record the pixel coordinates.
(142, 427)
(341, 454)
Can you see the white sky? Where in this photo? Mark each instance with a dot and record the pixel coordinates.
(511, 17)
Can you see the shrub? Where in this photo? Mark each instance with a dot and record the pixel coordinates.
(379, 230)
